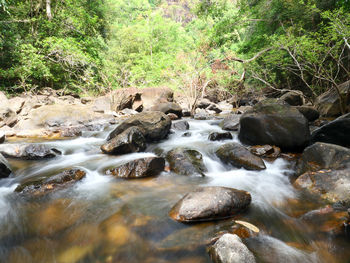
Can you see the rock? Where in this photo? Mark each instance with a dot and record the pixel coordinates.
(172, 116)
(168, 107)
(335, 132)
(267, 151)
(139, 168)
(130, 140)
(153, 96)
(7, 116)
(293, 98)
(16, 104)
(186, 162)
(214, 107)
(5, 170)
(217, 95)
(324, 156)
(328, 103)
(186, 134)
(203, 103)
(154, 125)
(309, 112)
(230, 249)
(59, 181)
(2, 137)
(180, 125)
(332, 186)
(217, 136)
(202, 115)
(231, 122)
(28, 151)
(225, 107)
(274, 124)
(238, 156)
(210, 203)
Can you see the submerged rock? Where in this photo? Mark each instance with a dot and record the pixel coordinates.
(186, 161)
(210, 203)
(274, 123)
(217, 136)
(59, 181)
(238, 156)
(332, 186)
(130, 140)
(154, 125)
(5, 170)
(28, 151)
(139, 168)
(336, 132)
(230, 249)
(324, 156)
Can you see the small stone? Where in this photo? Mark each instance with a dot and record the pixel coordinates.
(217, 136)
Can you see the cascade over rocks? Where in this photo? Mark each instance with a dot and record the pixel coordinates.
(5, 170)
(210, 203)
(186, 161)
(130, 140)
(324, 156)
(154, 125)
(28, 151)
(230, 249)
(238, 156)
(335, 132)
(139, 168)
(273, 123)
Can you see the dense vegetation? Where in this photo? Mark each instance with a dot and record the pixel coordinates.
(95, 46)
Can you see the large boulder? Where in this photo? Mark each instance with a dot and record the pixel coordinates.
(130, 140)
(210, 203)
(324, 156)
(139, 168)
(28, 151)
(230, 249)
(168, 107)
(59, 181)
(5, 170)
(309, 112)
(231, 122)
(293, 98)
(238, 156)
(154, 125)
(328, 103)
(331, 185)
(335, 132)
(274, 123)
(153, 96)
(186, 161)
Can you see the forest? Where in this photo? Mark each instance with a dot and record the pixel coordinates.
(96, 46)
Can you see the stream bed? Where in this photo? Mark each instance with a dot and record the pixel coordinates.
(105, 219)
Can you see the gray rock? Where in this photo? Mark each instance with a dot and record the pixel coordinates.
(276, 124)
(239, 156)
(180, 125)
(310, 113)
(2, 137)
(5, 170)
(168, 107)
(139, 168)
(210, 203)
(230, 249)
(219, 136)
(293, 98)
(28, 151)
(231, 122)
(130, 140)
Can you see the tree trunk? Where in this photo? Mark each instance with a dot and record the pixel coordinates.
(48, 9)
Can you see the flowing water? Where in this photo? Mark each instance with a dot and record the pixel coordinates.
(104, 219)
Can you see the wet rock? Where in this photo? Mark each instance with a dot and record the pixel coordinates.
(230, 249)
(238, 156)
(328, 103)
(231, 122)
(332, 186)
(168, 107)
(180, 125)
(274, 124)
(324, 156)
(244, 229)
(28, 151)
(210, 203)
(5, 170)
(217, 136)
(186, 161)
(186, 134)
(310, 113)
(130, 140)
(336, 132)
(2, 137)
(139, 168)
(59, 181)
(154, 125)
(293, 98)
(267, 151)
(172, 116)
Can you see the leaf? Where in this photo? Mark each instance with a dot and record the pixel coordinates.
(248, 225)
